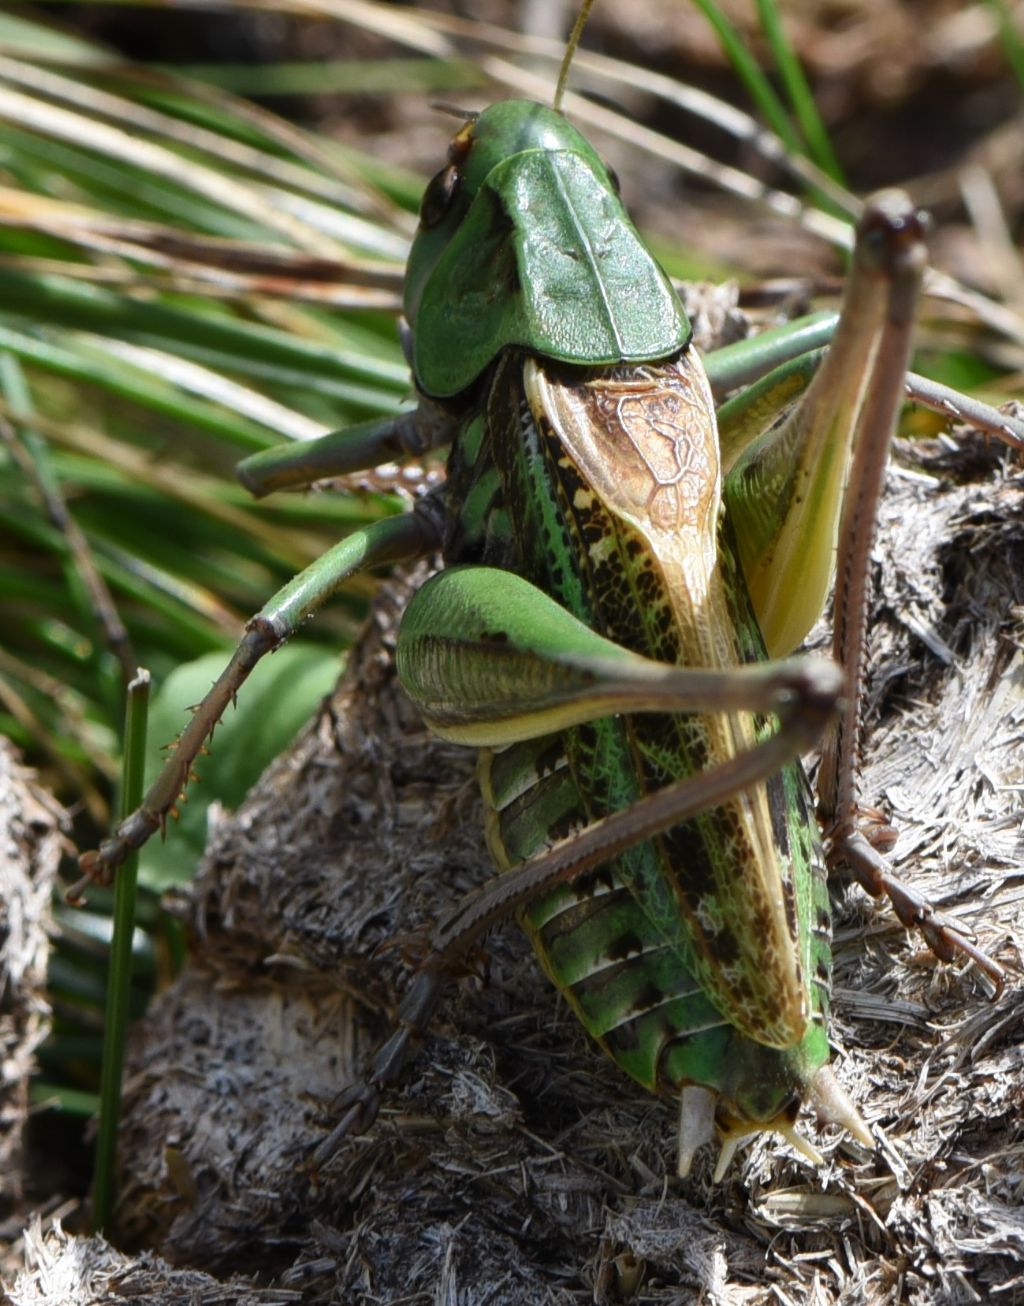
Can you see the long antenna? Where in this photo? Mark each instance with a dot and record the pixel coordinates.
(570, 50)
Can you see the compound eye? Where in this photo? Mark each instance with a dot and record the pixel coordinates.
(438, 197)
(613, 177)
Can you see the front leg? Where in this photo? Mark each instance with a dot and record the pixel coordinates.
(395, 539)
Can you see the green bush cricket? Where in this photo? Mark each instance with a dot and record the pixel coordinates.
(619, 575)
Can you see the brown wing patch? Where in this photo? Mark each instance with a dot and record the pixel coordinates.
(638, 457)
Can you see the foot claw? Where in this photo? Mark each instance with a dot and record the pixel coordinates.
(943, 934)
(361, 1104)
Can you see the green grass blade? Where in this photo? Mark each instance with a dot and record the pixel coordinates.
(119, 983)
(1010, 37)
(799, 92)
(759, 88)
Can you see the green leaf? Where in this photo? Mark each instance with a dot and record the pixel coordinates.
(276, 701)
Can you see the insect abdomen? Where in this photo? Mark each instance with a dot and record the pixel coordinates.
(664, 953)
